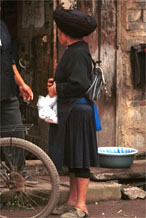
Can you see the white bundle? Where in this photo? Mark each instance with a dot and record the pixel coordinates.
(47, 109)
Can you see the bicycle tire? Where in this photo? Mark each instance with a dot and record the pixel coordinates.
(48, 166)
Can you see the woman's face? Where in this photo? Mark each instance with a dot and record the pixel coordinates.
(66, 40)
(62, 38)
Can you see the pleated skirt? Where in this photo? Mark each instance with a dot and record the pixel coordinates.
(75, 143)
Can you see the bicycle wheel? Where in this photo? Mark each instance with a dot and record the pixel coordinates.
(21, 197)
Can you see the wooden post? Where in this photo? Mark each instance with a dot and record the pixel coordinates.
(54, 41)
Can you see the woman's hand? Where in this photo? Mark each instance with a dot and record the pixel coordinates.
(51, 87)
(50, 82)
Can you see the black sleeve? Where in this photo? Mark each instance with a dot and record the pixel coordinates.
(76, 80)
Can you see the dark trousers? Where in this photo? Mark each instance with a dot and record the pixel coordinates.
(10, 115)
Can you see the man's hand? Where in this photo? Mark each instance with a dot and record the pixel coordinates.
(23, 87)
(26, 92)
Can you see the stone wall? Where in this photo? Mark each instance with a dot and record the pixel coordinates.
(131, 103)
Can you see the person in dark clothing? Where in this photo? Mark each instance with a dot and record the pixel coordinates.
(73, 141)
(10, 79)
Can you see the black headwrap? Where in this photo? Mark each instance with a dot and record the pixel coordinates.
(74, 23)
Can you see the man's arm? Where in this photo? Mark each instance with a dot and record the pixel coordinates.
(23, 87)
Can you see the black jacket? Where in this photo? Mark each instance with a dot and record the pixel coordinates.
(73, 71)
(8, 86)
(72, 77)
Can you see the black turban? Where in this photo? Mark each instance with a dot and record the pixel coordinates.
(73, 23)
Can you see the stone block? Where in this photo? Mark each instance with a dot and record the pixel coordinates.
(139, 26)
(134, 15)
(141, 5)
(136, 4)
(103, 191)
(133, 193)
(97, 191)
(140, 1)
(134, 41)
(137, 170)
(144, 16)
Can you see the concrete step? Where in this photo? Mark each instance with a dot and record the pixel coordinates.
(97, 191)
(136, 171)
(106, 185)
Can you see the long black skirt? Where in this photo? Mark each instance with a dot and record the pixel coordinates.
(74, 144)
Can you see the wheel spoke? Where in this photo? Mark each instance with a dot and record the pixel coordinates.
(33, 190)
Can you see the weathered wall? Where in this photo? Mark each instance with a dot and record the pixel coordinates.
(123, 23)
(131, 103)
(107, 103)
(122, 112)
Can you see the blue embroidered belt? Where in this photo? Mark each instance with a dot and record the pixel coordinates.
(96, 114)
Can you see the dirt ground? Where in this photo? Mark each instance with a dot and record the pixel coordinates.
(117, 209)
(108, 209)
